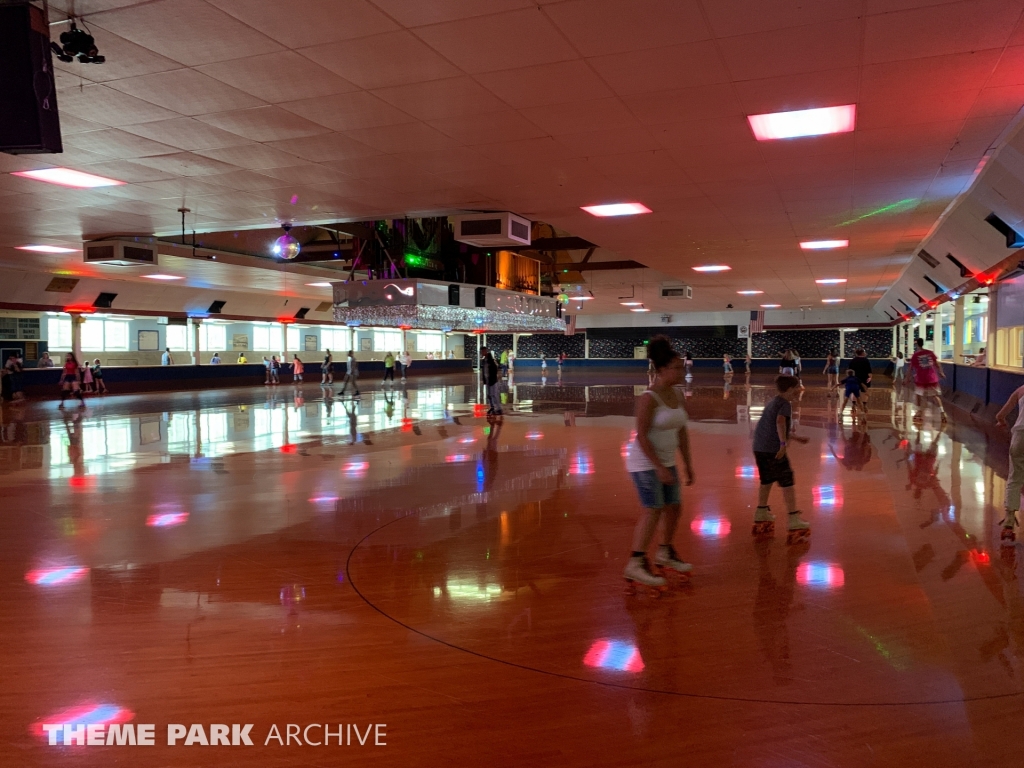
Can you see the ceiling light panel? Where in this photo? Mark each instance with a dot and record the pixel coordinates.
(616, 209)
(823, 245)
(803, 122)
(66, 177)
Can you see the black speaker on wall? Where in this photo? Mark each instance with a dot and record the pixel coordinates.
(453, 295)
(481, 296)
(301, 314)
(29, 123)
(216, 308)
(105, 300)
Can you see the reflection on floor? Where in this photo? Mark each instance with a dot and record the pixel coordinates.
(285, 556)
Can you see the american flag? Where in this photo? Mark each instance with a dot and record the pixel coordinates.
(757, 321)
(570, 325)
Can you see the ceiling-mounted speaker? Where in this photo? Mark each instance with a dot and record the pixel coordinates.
(964, 271)
(28, 95)
(216, 308)
(1013, 238)
(104, 300)
(301, 314)
(453, 295)
(928, 259)
(938, 288)
(481, 296)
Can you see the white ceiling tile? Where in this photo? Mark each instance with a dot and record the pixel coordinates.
(186, 133)
(108, 107)
(580, 116)
(278, 77)
(546, 84)
(186, 91)
(298, 23)
(440, 99)
(700, 103)
(265, 123)
(325, 147)
(600, 27)
(794, 50)
(191, 32)
(394, 58)
(251, 156)
(488, 128)
(662, 69)
(808, 90)
(416, 13)
(349, 111)
(402, 137)
(500, 41)
(118, 144)
(729, 18)
(941, 29)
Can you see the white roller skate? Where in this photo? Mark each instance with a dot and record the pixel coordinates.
(638, 572)
(764, 522)
(797, 529)
(1008, 536)
(669, 562)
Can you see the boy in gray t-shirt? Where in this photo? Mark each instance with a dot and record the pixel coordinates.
(770, 438)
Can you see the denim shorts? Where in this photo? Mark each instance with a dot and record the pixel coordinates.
(653, 493)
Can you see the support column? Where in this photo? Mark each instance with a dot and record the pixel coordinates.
(351, 341)
(284, 343)
(992, 350)
(196, 323)
(958, 331)
(922, 329)
(515, 343)
(750, 346)
(586, 346)
(937, 328)
(842, 344)
(479, 344)
(76, 335)
(895, 342)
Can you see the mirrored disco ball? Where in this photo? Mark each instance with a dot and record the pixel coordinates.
(286, 247)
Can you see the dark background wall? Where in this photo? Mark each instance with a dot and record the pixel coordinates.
(700, 341)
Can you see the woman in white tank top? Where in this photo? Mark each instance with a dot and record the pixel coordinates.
(661, 422)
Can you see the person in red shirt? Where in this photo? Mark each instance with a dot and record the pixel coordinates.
(927, 372)
(71, 380)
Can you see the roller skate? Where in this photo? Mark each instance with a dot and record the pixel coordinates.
(668, 563)
(797, 529)
(1007, 536)
(638, 572)
(764, 522)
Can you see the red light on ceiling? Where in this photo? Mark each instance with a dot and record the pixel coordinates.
(79, 309)
(616, 209)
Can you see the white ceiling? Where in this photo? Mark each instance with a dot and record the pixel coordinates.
(358, 109)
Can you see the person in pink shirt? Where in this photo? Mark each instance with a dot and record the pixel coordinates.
(927, 372)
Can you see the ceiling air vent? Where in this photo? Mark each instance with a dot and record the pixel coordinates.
(676, 291)
(217, 307)
(491, 230)
(928, 259)
(301, 314)
(324, 306)
(119, 253)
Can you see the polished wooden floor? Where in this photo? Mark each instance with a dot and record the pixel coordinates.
(281, 557)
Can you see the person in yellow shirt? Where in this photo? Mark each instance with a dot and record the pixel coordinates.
(241, 358)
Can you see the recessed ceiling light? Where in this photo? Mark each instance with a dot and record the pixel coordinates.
(823, 245)
(639, 309)
(319, 285)
(45, 249)
(770, 306)
(803, 122)
(68, 178)
(164, 277)
(832, 301)
(582, 298)
(831, 280)
(616, 209)
(749, 293)
(712, 268)
(631, 303)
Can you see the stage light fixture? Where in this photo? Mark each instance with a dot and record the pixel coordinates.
(77, 44)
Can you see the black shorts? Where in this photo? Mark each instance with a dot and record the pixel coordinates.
(772, 470)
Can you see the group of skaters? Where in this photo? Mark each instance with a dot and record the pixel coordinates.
(77, 379)
(661, 437)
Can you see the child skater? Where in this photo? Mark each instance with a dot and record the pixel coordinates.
(770, 443)
(852, 393)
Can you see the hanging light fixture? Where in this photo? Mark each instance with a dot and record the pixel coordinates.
(286, 247)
